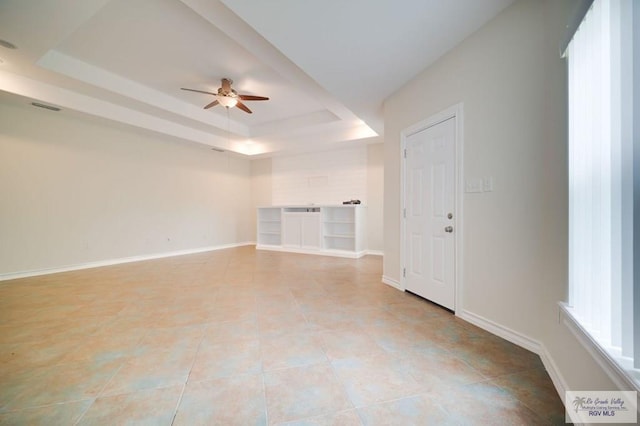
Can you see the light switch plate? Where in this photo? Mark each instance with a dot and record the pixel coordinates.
(487, 184)
(473, 185)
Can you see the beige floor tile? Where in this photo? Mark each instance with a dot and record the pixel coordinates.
(145, 407)
(483, 404)
(105, 346)
(332, 318)
(417, 410)
(340, 418)
(46, 329)
(232, 312)
(291, 350)
(57, 414)
(101, 308)
(536, 391)
(15, 356)
(494, 357)
(349, 343)
(152, 369)
(59, 383)
(231, 331)
(438, 371)
(185, 337)
(374, 379)
(36, 313)
(228, 401)
(225, 359)
(307, 337)
(283, 323)
(301, 392)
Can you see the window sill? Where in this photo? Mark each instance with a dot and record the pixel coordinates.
(625, 379)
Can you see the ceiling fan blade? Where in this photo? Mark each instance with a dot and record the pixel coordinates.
(199, 91)
(252, 98)
(243, 107)
(212, 104)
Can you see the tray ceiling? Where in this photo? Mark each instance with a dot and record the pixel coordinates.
(326, 66)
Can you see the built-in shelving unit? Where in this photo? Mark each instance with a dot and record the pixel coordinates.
(330, 230)
(340, 228)
(270, 226)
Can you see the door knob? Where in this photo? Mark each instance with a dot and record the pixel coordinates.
(448, 229)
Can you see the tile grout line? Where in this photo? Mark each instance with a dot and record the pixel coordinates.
(84, 412)
(100, 393)
(264, 393)
(262, 372)
(184, 386)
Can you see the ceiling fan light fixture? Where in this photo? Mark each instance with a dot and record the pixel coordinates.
(227, 101)
(228, 98)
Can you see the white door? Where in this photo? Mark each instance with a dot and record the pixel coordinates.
(430, 216)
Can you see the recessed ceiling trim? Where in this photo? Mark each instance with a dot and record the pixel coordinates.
(80, 70)
(29, 88)
(229, 23)
(290, 124)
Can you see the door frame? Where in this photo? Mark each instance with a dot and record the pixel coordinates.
(455, 111)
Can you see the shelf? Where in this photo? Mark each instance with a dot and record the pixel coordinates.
(330, 230)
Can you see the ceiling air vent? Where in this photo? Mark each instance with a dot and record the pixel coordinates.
(8, 45)
(49, 107)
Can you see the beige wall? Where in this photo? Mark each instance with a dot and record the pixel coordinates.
(76, 191)
(511, 80)
(375, 193)
(261, 194)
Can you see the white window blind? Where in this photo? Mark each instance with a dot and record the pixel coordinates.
(600, 71)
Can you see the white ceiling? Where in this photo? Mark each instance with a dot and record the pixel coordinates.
(326, 66)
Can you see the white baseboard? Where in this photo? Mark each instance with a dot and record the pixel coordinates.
(318, 252)
(392, 282)
(523, 341)
(375, 252)
(109, 262)
(511, 336)
(500, 330)
(554, 373)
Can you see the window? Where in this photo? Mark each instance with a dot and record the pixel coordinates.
(601, 188)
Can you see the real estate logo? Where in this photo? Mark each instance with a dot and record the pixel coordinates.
(601, 406)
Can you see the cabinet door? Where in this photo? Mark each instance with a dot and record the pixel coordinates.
(311, 232)
(291, 229)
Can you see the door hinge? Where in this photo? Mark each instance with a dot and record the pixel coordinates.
(405, 153)
(404, 272)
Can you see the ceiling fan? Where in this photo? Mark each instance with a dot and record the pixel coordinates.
(228, 98)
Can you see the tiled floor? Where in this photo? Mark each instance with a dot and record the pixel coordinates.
(251, 338)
